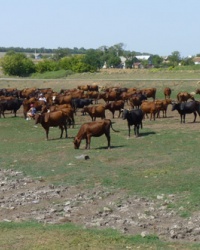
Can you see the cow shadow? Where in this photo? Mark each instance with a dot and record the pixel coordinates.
(147, 133)
(58, 139)
(112, 147)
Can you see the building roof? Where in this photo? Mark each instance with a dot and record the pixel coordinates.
(196, 59)
(143, 57)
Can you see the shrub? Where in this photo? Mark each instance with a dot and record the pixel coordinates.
(47, 65)
(17, 64)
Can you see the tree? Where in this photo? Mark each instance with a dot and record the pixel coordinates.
(17, 64)
(60, 53)
(187, 61)
(157, 61)
(113, 61)
(174, 58)
(93, 58)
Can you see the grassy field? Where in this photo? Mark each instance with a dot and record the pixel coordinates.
(163, 160)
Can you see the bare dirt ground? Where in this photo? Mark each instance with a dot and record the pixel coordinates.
(24, 199)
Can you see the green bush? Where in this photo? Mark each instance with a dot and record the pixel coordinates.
(47, 65)
(17, 64)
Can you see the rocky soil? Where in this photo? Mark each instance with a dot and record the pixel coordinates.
(25, 199)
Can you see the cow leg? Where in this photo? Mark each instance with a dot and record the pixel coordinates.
(181, 116)
(113, 113)
(108, 139)
(86, 143)
(129, 131)
(88, 139)
(119, 113)
(136, 130)
(73, 121)
(47, 133)
(195, 116)
(65, 127)
(61, 128)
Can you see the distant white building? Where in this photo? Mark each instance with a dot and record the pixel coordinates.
(143, 57)
(123, 61)
(196, 60)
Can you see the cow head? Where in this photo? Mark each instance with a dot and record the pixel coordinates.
(124, 113)
(77, 143)
(38, 118)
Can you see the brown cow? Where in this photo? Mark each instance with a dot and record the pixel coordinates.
(197, 91)
(62, 99)
(184, 96)
(96, 129)
(27, 92)
(115, 105)
(68, 110)
(167, 92)
(93, 95)
(52, 119)
(162, 106)
(151, 92)
(149, 108)
(83, 87)
(27, 104)
(95, 111)
(137, 99)
(111, 96)
(94, 87)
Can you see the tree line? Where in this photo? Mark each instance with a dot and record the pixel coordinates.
(17, 63)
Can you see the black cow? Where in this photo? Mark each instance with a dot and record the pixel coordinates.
(184, 108)
(134, 117)
(80, 103)
(13, 105)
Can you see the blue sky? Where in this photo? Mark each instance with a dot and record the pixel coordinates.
(154, 26)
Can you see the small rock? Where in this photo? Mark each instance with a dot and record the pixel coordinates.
(82, 157)
(144, 234)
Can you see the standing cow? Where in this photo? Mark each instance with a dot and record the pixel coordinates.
(133, 117)
(96, 129)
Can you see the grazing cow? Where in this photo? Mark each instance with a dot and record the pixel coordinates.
(187, 108)
(115, 105)
(96, 129)
(162, 106)
(52, 119)
(133, 117)
(184, 96)
(95, 111)
(149, 92)
(13, 105)
(137, 99)
(167, 92)
(80, 103)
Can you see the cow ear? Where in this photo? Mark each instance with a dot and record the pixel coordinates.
(46, 117)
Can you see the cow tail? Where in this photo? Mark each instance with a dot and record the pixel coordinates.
(113, 128)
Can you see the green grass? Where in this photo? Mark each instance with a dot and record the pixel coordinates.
(164, 160)
(32, 236)
(52, 74)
